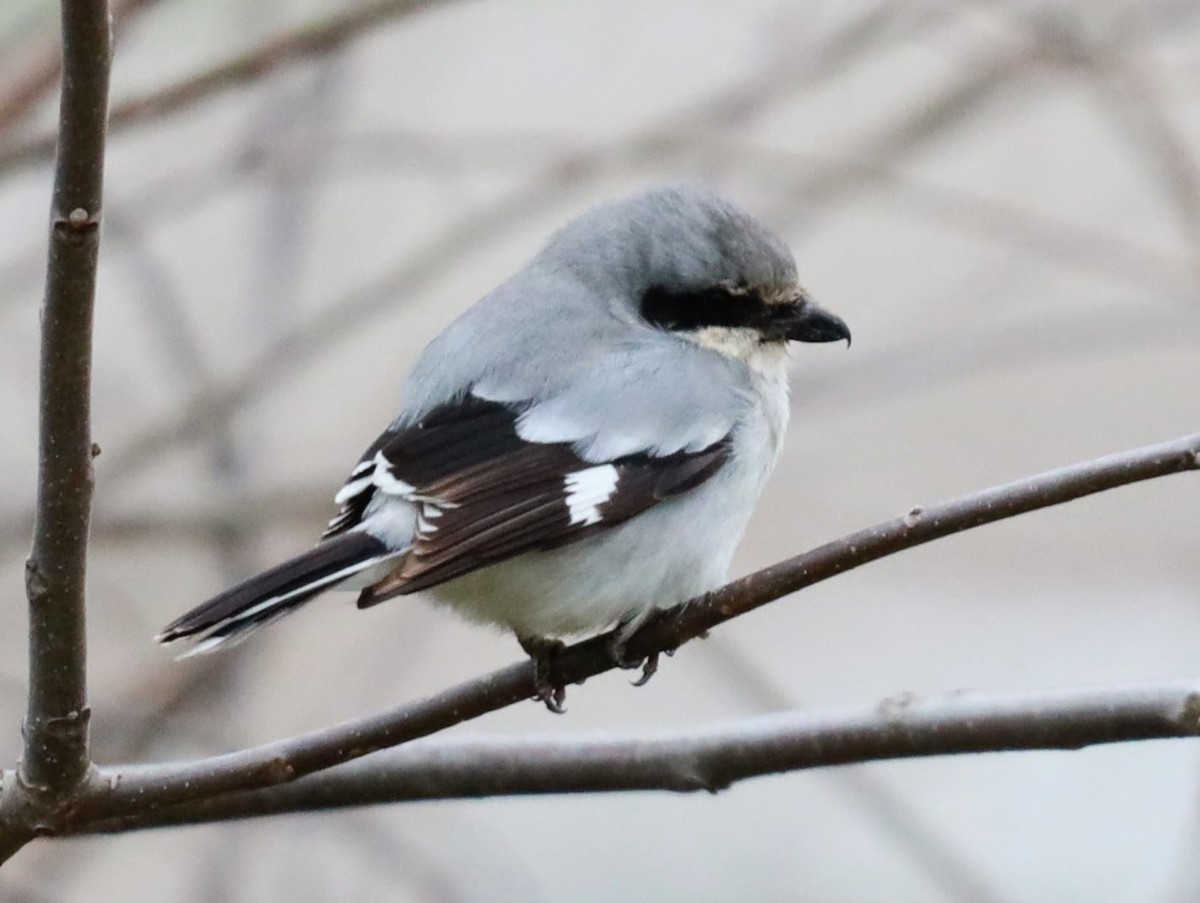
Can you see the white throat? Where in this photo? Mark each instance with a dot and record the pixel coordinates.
(765, 359)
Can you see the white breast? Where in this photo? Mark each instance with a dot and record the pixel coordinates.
(672, 552)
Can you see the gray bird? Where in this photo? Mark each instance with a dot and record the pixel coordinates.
(582, 447)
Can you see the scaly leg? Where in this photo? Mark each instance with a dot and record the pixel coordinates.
(548, 687)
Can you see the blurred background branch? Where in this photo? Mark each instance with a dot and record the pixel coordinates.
(299, 44)
(35, 69)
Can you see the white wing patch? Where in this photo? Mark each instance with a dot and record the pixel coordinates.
(382, 477)
(375, 472)
(587, 490)
(352, 488)
(429, 512)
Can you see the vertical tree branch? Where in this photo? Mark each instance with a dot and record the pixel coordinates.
(56, 726)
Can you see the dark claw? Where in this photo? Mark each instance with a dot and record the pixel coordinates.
(548, 688)
(620, 657)
(552, 695)
(649, 669)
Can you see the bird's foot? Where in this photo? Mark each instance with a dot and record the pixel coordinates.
(649, 669)
(548, 685)
(619, 653)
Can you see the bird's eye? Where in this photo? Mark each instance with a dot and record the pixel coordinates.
(688, 309)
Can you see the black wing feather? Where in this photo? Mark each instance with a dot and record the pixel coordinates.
(487, 495)
(247, 605)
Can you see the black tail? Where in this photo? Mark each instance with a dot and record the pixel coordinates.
(234, 614)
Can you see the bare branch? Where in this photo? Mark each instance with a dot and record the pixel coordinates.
(55, 763)
(40, 70)
(1088, 247)
(56, 725)
(911, 367)
(305, 42)
(249, 510)
(145, 788)
(1133, 90)
(715, 758)
(1128, 84)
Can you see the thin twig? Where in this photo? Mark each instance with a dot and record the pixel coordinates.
(714, 758)
(987, 74)
(1132, 88)
(40, 70)
(305, 42)
(1089, 247)
(919, 365)
(120, 792)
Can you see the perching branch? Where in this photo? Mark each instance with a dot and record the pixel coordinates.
(713, 758)
(123, 793)
(56, 725)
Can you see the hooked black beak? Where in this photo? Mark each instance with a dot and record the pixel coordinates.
(810, 323)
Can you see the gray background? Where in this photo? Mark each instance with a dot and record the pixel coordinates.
(1003, 199)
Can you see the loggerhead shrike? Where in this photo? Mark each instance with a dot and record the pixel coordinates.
(580, 448)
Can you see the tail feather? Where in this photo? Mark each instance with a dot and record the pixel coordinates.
(231, 616)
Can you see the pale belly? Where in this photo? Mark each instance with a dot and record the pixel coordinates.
(666, 555)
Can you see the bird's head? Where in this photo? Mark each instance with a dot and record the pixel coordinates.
(690, 262)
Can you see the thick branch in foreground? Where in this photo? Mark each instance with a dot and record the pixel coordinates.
(120, 794)
(714, 758)
(56, 725)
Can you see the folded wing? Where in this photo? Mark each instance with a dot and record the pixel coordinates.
(483, 493)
